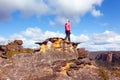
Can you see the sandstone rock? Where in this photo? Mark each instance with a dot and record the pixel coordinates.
(37, 67)
(26, 67)
(0, 54)
(19, 42)
(60, 60)
(12, 48)
(61, 49)
(82, 53)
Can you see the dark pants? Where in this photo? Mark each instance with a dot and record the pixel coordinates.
(67, 35)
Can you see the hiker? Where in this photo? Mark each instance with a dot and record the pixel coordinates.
(67, 30)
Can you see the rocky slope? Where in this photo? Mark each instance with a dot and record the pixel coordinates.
(59, 60)
(37, 67)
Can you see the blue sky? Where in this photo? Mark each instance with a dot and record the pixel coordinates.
(96, 23)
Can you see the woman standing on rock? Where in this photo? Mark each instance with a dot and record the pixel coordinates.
(67, 30)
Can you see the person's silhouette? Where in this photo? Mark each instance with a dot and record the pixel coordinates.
(67, 30)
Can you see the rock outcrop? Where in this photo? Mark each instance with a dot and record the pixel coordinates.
(59, 48)
(37, 67)
(11, 48)
(56, 59)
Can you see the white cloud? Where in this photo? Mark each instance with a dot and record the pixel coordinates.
(17, 37)
(37, 34)
(2, 40)
(30, 43)
(72, 9)
(26, 8)
(48, 34)
(104, 47)
(107, 40)
(81, 38)
(96, 13)
(32, 33)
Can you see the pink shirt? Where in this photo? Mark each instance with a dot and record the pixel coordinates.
(67, 26)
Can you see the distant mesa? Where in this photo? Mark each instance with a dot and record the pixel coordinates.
(106, 58)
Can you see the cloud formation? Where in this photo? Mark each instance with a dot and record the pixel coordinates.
(107, 37)
(107, 40)
(59, 8)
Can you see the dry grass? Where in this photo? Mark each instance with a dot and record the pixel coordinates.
(103, 74)
(11, 53)
(116, 73)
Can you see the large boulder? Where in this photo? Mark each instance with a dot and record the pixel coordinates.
(19, 42)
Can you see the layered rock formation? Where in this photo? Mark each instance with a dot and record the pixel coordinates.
(37, 67)
(59, 48)
(11, 48)
(111, 57)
